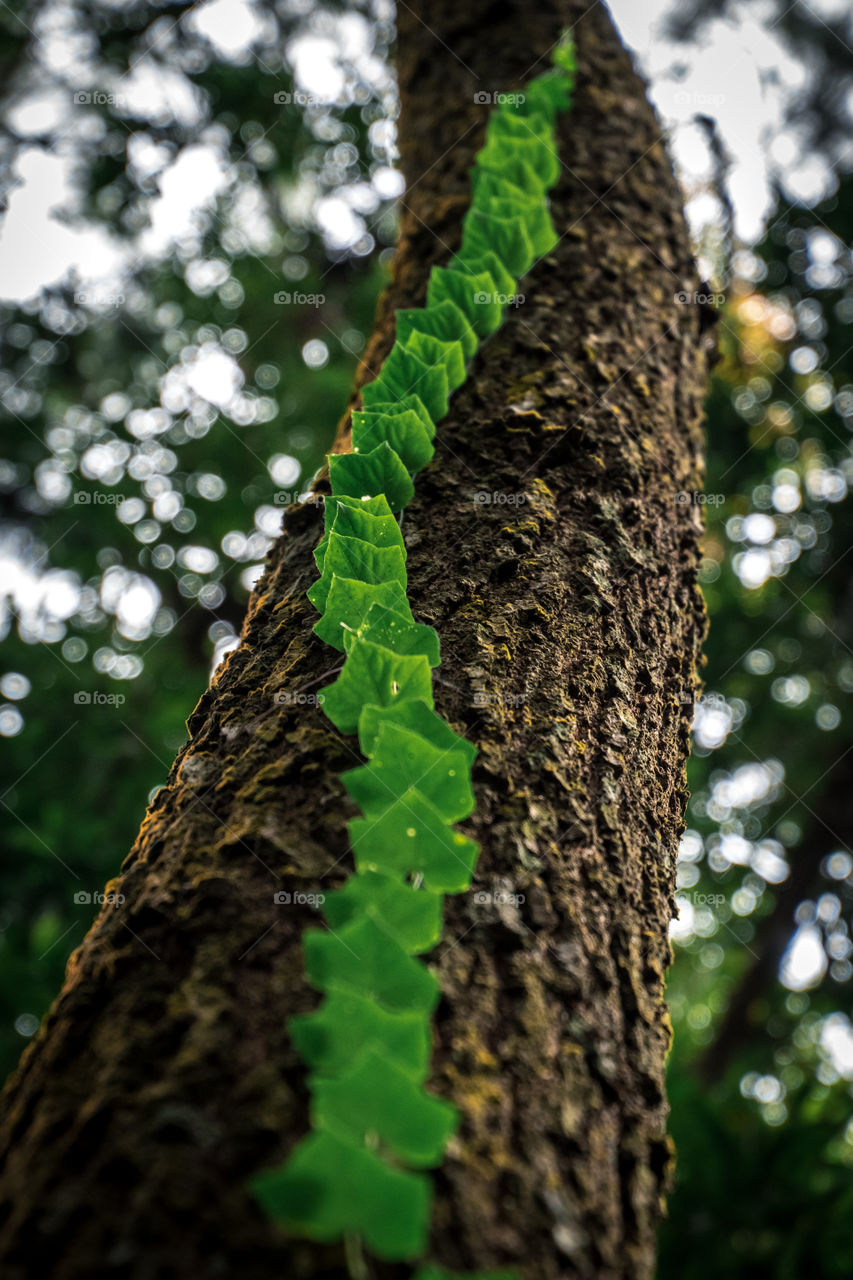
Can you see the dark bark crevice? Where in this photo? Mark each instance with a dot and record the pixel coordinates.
(164, 1075)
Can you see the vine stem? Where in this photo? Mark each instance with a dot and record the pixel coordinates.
(356, 1264)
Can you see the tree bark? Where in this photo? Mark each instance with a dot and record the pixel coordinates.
(164, 1075)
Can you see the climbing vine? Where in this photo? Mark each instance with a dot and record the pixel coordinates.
(358, 1176)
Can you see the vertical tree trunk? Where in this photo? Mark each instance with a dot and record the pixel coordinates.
(164, 1075)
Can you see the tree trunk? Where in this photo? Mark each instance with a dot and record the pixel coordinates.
(164, 1076)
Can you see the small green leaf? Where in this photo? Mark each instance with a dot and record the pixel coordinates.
(502, 151)
(374, 396)
(473, 295)
(414, 715)
(362, 957)
(349, 601)
(374, 674)
(397, 632)
(405, 433)
(504, 280)
(412, 916)
(375, 1100)
(444, 321)
(514, 168)
(366, 475)
(356, 559)
(330, 1186)
(400, 760)
(507, 237)
(412, 838)
(403, 374)
(548, 94)
(345, 1022)
(434, 350)
(537, 222)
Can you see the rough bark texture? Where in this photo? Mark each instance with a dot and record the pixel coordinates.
(164, 1075)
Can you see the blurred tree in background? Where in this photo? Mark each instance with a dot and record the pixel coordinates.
(155, 419)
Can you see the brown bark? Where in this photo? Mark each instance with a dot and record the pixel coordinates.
(164, 1075)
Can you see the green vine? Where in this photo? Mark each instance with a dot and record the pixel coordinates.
(375, 1127)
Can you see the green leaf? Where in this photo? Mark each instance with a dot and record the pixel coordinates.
(330, 1186)
(353, 522)
(404, 373)
(373, 673)
(501, 152)
(537, 222)
(414, 715)
(507, 237)
(434, 350)
(532, 132)
(476, 264)
(397, 632)
(374, 396)
(412, 916)
(513, 168)
(345, 1023)
(375, 1100)
(444, 321)
(412, 838)
(362, 957)
(347, 513)
(472, 294)
(401, 759)
(548, 94)
(366, 475)
(405, 433)
(359, 560)
(349, 601)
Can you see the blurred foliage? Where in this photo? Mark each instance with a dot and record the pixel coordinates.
(154, 421)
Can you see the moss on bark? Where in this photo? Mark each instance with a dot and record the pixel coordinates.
(164, 1074)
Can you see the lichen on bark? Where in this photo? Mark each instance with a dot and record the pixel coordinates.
(164, 1075)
